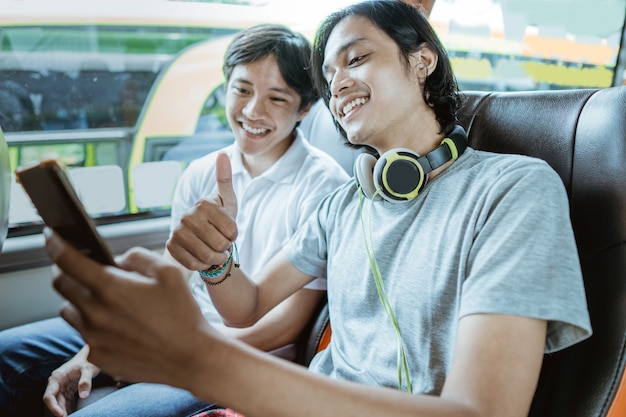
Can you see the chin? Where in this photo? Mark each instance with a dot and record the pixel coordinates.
(354, 138)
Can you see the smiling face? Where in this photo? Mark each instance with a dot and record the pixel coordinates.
(262, 111)
(374, 95)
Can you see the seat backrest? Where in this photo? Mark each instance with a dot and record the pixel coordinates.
(5, 188)
(582, 135)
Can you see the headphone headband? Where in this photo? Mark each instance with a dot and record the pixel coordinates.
(450, 149)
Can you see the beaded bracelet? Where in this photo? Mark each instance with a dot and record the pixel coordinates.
(214, 271)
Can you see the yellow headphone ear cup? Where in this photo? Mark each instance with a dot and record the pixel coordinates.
(399, 175)
(363, 169)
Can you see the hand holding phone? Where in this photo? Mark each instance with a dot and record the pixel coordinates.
(56, 201)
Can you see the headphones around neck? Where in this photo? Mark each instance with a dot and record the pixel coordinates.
(400, 174)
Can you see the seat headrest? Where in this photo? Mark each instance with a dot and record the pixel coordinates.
(580, 133)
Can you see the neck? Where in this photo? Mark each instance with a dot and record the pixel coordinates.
(421, 136)
(257, 164)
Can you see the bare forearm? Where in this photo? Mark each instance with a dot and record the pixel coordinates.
(236, 299)
(283, 324)
(242, 303)
(223, 375)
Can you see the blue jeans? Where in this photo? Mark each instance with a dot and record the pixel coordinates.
(29, 354)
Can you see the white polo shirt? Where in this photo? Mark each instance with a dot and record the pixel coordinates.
(271, 207)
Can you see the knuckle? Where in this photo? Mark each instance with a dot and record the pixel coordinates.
(55, 375)
(134, 254)
(169, 270)
(232, 232)
(170, 245)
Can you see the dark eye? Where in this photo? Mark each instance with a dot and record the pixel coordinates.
(240, 90)
(356, 59)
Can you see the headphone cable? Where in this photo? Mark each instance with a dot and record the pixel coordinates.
(403, 366)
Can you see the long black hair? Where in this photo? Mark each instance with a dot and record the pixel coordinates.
(409, 28)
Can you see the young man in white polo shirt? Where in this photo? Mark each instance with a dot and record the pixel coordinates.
(279, 180)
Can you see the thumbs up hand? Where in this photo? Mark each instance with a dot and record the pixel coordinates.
(207, 231)
(224, 176)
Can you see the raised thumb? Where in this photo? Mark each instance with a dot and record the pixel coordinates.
(224, 176)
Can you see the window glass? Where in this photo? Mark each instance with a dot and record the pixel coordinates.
(85, 77)
(139, 91)
(532, 44)
(74, 90)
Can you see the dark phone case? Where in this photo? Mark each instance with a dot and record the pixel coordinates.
(57, 203)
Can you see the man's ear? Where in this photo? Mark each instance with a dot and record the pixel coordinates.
(424, 60)
(304, 111)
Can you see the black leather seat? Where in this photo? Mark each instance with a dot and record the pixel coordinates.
(582, 135)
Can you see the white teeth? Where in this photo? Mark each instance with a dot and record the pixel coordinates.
(254, 131)
(353, 104)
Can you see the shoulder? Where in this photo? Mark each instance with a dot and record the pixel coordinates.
(485, 180)
(512, 168)
(341, 197)
(514, 186)
(505, 161)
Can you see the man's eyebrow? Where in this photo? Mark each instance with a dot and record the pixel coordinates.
(342, 49)
(282, 90)
(242, 80)
(275, 89)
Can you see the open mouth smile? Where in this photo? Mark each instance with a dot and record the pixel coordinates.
(254, 130)
(353, 104)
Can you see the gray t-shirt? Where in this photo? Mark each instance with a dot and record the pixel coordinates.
(491, 234)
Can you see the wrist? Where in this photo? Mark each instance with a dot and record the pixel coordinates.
(211, 276)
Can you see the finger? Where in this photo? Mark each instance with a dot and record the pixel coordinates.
(189, 260)
(209, 222)
(50, 399)
(147, 263)
(72, 262)
(190, 250)
(64, 405)
(84, 383)
(224, 176)
(70, 314)
(56, 410)
(72, 290)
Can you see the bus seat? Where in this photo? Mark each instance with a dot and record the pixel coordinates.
(5, 188)
(582, 135)
(318, 127)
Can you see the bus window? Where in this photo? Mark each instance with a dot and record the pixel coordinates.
(86, 77)
(530, 45)
(102, 84)
(212, 132)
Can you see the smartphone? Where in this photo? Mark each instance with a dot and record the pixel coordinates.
(56, 201)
